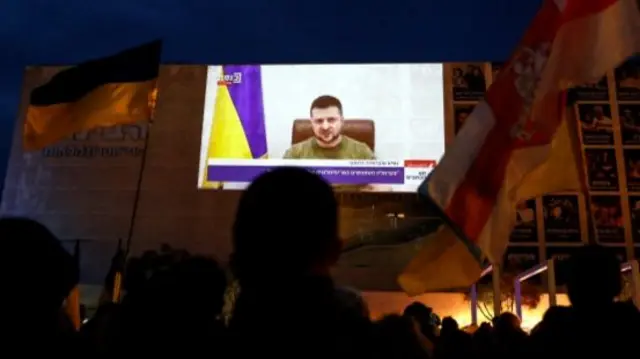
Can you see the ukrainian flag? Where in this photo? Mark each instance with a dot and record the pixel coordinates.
(237, 129)
(105, 92)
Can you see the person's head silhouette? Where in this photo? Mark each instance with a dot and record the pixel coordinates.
(449, 325)
(506, 322)
(594, 277)
(36, 270)
(286, 225)
(423, 316)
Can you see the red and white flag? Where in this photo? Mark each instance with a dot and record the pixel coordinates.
(517, 144)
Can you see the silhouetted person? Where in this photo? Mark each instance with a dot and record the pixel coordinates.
(99, 331)
(175, 312)
(509, 338)
(425, 318)
(426, 322)
(352, 301)
(482, 341)
(550, 332)
(399, 338)
(286, 224)
(593, 283)
(285, 241)
(594, 278)
(449, 326)
(597, 323)
(453, 342)
(37, 274)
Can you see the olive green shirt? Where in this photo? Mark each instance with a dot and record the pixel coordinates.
(347, 149)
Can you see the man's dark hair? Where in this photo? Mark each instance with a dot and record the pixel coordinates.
(423, 315)
(326, 101)
(449, 323)
(418, 311)
(286, 222)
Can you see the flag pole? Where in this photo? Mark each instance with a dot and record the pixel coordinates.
(143, 165)
(573, 123)
(118, 275)
(136, 197)
(72, 304)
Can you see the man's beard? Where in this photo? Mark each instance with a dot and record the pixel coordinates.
(330, 141)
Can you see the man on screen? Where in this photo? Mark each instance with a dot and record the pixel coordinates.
(328, 142)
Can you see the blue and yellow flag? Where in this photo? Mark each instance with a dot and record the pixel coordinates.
(113, 90)
(237, 129)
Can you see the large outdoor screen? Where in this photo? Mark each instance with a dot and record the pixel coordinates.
(361, 127)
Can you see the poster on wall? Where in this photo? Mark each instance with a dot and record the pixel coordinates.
(607, 215)
(634, 209)
(630, 124)
(561, 253)
(596, 124)
(460, 113)
(628, 81)
(526, 230)
(518, 259)
(597, 91)
(561, 218)
(602, 171)
(632, 168)
(468, 82)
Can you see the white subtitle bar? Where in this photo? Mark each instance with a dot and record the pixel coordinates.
(304, 163)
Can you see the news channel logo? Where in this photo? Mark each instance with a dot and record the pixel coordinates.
(230, 79)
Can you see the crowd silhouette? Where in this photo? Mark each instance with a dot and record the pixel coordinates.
(287, 305)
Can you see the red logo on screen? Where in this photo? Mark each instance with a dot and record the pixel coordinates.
(420, 163)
